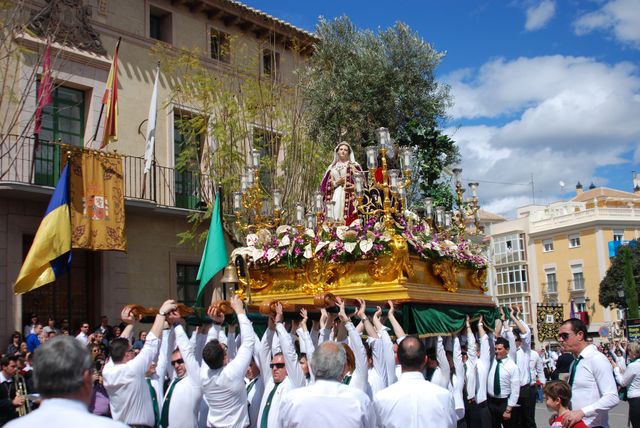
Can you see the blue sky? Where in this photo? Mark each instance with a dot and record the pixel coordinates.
(543, 87)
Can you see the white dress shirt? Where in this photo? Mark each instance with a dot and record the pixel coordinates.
(129, 397)
(295, 378)
(377, 374)
(483, 365)
(414, 402)
(443, 372)
(82, 337)
(594, 389)
(63, 413)
(537, 370)
(327, 404)
(630, 378)
(185, 399)
(224, 389)
(509, 381)
(470, 366)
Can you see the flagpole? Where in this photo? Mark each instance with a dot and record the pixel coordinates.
(69, 299)
(95, 135)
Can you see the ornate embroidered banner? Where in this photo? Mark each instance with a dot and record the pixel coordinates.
(550, 317)
(97, 201)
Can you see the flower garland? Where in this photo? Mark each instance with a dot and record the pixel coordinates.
(292, 247)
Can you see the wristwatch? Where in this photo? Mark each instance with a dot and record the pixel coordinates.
(162, 314)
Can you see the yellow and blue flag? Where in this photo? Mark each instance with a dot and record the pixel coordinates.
(50, 254)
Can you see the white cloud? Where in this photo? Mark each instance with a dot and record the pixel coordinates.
(620, 17)
(558, 118)
(538, 16)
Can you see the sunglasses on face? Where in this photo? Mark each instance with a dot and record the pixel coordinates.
(277, 365)
(177, 362)
(564, 336)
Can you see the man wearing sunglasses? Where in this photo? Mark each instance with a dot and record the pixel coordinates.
(284, 374)
(593, 387)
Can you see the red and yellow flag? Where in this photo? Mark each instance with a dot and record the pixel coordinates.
(110, 101)
(45, 90)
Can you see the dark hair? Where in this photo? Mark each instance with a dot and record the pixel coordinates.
(502, 341)
(577, 325)
(118, 347)
(59, 366)
(558, 389)
(213, 354)
(4, 361)
(411, 353)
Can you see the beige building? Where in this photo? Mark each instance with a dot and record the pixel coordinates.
(230, 36)
(559, 253)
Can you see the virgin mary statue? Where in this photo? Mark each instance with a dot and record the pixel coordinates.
(337, 183)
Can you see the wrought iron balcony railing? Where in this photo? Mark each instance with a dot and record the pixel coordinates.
(163, 186)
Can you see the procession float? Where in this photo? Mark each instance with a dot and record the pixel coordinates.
(359, 240)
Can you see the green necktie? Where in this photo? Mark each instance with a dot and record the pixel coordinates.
(251, 385)
(347, 379)
(164, 419)
(496, 380)
(574, 367)
(154, 400)
(264, 422)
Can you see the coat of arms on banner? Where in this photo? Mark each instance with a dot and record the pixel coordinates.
(97, 201)
(549, 321)
(95, 207)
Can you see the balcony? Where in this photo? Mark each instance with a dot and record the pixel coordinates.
(576, 286)
(550, 288)
(163, 186)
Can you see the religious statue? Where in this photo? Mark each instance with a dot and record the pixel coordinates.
(338, 185)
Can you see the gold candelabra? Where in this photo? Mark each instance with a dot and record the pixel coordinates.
(394, 184)
(254, 202)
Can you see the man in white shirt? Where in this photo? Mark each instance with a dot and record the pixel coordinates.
(328, 403)
(124, 375)
(503, 386)
(285, 373)
(414, 401)
(593, 388)
(223, 381)
(526, 409)
(83, 336)
(181, 402)
(62, 372)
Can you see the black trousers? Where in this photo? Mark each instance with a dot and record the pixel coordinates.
(477, 415)
(497, 406)
(634, 412)
(525, 413)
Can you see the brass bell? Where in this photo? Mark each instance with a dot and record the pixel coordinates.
(230, 275)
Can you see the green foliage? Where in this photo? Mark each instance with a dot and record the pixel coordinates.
(224, 115)
(622, 273)
(358, 81)
(434, 151)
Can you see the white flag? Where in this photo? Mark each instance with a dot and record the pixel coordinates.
(151, 125)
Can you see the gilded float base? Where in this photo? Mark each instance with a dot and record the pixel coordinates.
(413, 280)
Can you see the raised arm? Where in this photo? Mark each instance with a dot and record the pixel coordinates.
(397, 328)
(386, 346)
(472, 361)
(443, 363)
(187, 350)
(458, 384)
(294, 371)
(360, 374)
(238, 366)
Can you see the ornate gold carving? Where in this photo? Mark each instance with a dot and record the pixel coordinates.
(448, 273)
(389, 268)
(478, 278)
(260, 279)
(321, 276)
